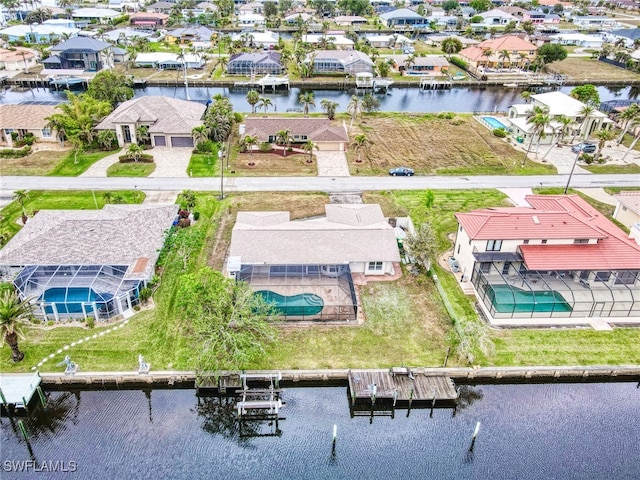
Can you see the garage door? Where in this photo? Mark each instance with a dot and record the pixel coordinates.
(160, 140)
(181, 142)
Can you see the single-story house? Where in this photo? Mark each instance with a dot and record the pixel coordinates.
(515, 11)
(20, 59)
(388, 41)
(124, 35)
(579, 39)
(61, 259)
(249, 8)
(349, 20)
(294, 18)
(169, 61)
(316, 257)
(521, 53)
(402, 17)
(161, 7)
(18, 120)
(558, 104)
(420, 65)
(436, 40)
(266, 39)
(184, 35)
(595, 22)
(340, 61)
(628, 35)
(120, 55)
(84, 16)
(326, 134)
(81, 53)
(169, 120)
(559, 261)
(497, 17)
(38, 33)
(148, 20)
(627, 210)
(538, 17)
(264, 63)
(251, 20)
(339, 40)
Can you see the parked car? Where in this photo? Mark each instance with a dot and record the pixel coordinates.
(401, 172)
(453, 263)
(584, 147)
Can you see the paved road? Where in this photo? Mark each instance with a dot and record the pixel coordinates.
(324, 184)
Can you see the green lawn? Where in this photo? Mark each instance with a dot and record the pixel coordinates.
(631, 168)
(70, 167)
(136, 169)
(204, 165)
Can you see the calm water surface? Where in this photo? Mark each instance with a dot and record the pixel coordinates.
(556, 431)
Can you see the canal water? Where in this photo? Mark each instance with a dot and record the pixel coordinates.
(527, 432)
(459, 99)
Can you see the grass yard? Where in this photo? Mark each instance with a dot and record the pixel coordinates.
(132, 169)
(204, 165)
(68, 167)
(39, 163)
(585, 70)
(631, 168)
(271, 165)
(432, 145)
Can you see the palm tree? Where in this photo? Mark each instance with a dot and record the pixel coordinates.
(107, 197)
(309, 147)
(249, 142)
(603, 135)
(564, 122)
(504, 56)
(135, 151)
(306, 99)
(360, 142)
(354, 108)
(20, 196)
(107, 139)
(200, 134)
(585, 112)
(636, 137)
(13, 311)
(264, 103)
(487, 52)
(329, 107)
(253, 97)
(409, 62)
(630, 114)
(284, 136)
(538, 117)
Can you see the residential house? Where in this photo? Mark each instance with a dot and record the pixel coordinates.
(120, 55)
(263, 63)
(436, 40)
(161, 7)
(402, 17)
(123, 6)
(148, 21)
(349, 20)
(84, 16)
(321, 131)
(251, 20)
(60, 22)
(169, 121)
(81, 53)
(630, 36)
(17, 121)
(538, 17)
(124, 35)
(431, 64)
(82, 264)
(340, 61)
(35, 33)
(579, 39)
(169, 61)
(388, 41)
(628, 208)
(557, 262)
(17, 60)
(557, 104)
(296, 18)
(250, 8)
(595, 22)
(189, 35)
(321, 40)
(497, 18)
(266, 39)
(317, 258)
(487, 54)
(513, 10)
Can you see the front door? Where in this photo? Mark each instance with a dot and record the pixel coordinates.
(126, 133)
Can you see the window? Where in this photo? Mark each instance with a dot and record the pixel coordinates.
(458, 249)
(602, 276)
(526, 242)
(374, 266)
(580, 241)
(485, 267)
(544, 242)
(494, 245)
(506, 267)
(46, 132)
(627, 277)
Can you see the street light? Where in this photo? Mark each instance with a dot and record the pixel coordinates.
(573, 167)
(220, 157)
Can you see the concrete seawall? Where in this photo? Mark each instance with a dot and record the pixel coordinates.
(462, 375)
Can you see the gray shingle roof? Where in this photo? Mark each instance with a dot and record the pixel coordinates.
(81, 43)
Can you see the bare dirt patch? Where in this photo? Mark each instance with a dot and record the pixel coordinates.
(273, 164)
(40, 162)
(583, 69)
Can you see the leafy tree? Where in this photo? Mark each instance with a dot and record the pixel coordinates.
(510, 27)
(306, 99)
(451, 45)
(253, 97)
(329, 107)
(107, 139)
(551, 52)
(309, 147)
(227, 321)
(188, 199)
(450, 5)
(528, 27)
(422, 245)
(587, 94)
(481, 5)
(370, 103)
(13, 311)
(110, 87)
(355, 7)
(428, 198)
(270, 9)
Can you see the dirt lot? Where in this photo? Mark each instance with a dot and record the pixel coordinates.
(430, 145)
(272, 164)
(583, 69)
(38, 163)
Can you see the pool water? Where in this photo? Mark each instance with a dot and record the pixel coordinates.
(495, 123)
(294, 305)
(71, 300)
(506, 299)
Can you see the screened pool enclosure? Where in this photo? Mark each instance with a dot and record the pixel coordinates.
(322, 293)
(78, 291)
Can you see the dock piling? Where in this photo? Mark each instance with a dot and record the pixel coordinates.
(43, 399)
(23, 430)
(335, 437)
(433, 404)
(475, 435)
(446, 358)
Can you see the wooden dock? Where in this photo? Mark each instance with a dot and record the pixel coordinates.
(400, 385)
(17, 390)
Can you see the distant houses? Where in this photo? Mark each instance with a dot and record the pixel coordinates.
(402, 17)
(264, 63)
(81, 53)
(489, 53)
(169, 61)
(340, 61)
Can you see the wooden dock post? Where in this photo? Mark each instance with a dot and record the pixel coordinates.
(43, 399)
(335, 437)
(446, 358)
(23, 430)
(475, 434)
(374, 390)
(433, 404)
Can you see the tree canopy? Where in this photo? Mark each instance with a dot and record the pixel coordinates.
(219, 118)
(551, 52)
(76, 119)
(586, 94)
(110, 87)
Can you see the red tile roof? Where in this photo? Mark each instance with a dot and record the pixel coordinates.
(558, 217)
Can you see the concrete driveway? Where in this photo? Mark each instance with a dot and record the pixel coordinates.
(332, 164)
(170, 163)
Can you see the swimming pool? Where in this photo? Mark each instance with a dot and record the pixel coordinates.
(495, 123)
(72, 299)
(506, 299)
(294, 305)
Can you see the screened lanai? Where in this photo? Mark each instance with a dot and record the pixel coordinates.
(509, 290)
(78, 291)
(323, 293)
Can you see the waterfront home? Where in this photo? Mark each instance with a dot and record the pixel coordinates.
(339, 40)
(517, 12)
(35, 33)
(263, 63)
(189, 35)
(120, 55)
(148, 21)
(169, 61)
(578, 39)
(628, 35)
(340, 61)
(84, 16)
(298, 17)
(81, 53)
(349, 20)
(169, 121)
(18, 121)
(16, 60)
(496, 18)
(402, 17)
(558, 261)
(488, 54)
(161, 7)
(388, 41)
(557, 104)
(595, 22)
(266, 39)
(318, 259)
(628, 208)
(430, 64)
(124, 35)
(62, 262)
(436, 40)
(249, 8)
(539, 17)
(251, 20)
(325, 134)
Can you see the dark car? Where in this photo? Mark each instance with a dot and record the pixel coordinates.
(401, 172)
(584, 147)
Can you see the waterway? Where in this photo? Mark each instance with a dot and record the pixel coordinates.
(458, 99)
(527, 432)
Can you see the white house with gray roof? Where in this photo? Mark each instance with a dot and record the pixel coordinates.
(340, 61)
(86, 263)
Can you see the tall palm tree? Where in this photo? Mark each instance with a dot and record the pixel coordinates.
(284, 136)
(264, 103)
(249, 141)
(630, 114)
(309, 147)
(306, 99)
(504, 56)
(585, 112)
(360, 142)
(538, 117)
(13, 311)
(20, 196)
(409, 62)
(253, 97)
(564, 122)
(636, 136)
(200, 134)
(329, 107)
(354, 108)
(603, 135)
(487, 52)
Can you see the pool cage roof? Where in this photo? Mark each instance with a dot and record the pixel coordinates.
(333, 283)
(33, 280)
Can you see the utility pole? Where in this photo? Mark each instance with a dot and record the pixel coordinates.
(220, 163)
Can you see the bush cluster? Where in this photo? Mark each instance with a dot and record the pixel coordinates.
(15, 152)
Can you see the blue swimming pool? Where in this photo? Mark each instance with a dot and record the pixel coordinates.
(495, 123)
(71, 300)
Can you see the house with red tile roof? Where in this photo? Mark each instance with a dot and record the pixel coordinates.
(489, 54)
(326, 134)
(628, 208)
(557, 262)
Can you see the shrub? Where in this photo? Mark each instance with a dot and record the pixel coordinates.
(15, 152)
(91, 322)
(265, 147)
(586, 158)
(183, 213)
(145, 294)
(205, 147)
(28, 139)
(144, 158)
(184, 222)
(446, 115)
(458, 62)
(196, 216)
(457, 121)
(500, 132)
(238, 117)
